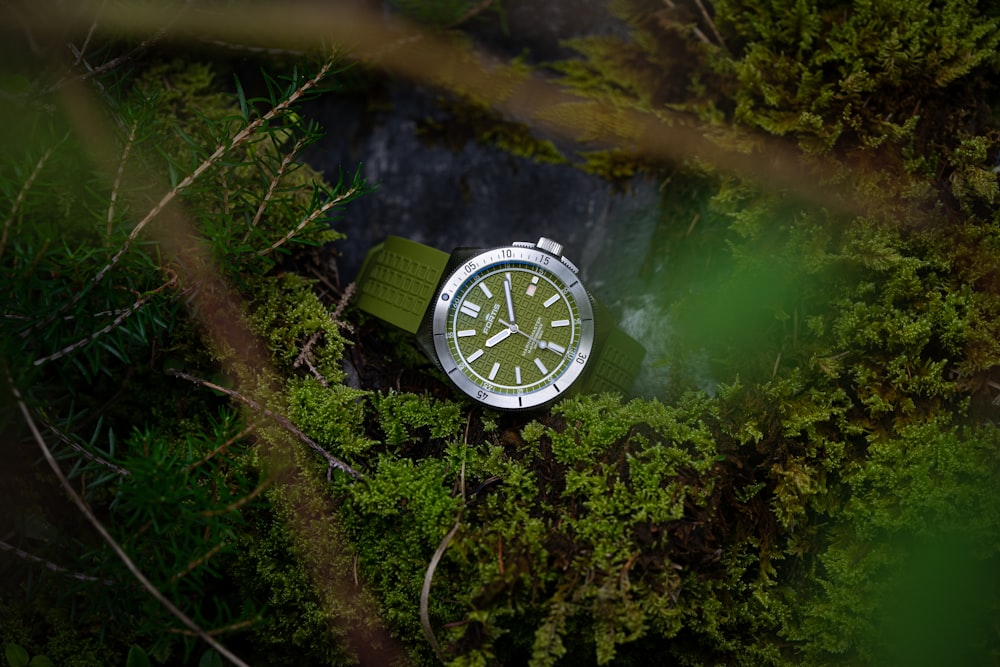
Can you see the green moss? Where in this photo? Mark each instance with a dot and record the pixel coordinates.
(472, 120)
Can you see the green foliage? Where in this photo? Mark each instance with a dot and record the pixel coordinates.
(96, 276)
(844, 468)
(18, 657)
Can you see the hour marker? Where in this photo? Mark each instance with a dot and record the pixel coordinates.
(470, 309)
(551, 300)
(465, 333)
(486, 290)
(558, 349)
(517, 374)
(559, 323)
(541, 366)
(475, 355)
(494, 370)
(532, 287)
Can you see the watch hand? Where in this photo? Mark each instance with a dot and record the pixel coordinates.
(510, 301)
(513, 327)
(542, 344)
(497, 337)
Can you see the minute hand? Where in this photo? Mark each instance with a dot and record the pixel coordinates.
(510, 301)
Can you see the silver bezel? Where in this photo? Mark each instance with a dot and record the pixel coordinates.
(468, 271)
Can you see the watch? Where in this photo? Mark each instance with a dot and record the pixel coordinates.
(512, 327)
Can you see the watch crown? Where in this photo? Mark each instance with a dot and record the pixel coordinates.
(548, 245)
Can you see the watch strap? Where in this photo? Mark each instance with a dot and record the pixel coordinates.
(398, 280)
(616, 361)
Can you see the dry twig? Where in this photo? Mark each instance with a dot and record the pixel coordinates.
(21, 553)
(193, 627)
(282, 168)
(350, 192)
(20, 197)
(284, 422)
(140, 302)
(222, 150)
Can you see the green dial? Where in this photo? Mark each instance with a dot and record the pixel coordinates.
(513, 328)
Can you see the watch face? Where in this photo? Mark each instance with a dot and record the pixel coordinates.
(513, 327)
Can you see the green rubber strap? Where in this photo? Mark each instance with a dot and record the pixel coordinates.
(616, 360)
(398, 280)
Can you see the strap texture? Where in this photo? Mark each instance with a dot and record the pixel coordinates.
(398, 280)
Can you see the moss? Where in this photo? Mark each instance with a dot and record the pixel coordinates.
(844, 467)
(470, 120)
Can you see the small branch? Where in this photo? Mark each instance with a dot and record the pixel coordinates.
(350, 192)
(241, 501)
(306, 356)
(223, 149)
(20, 197)
(90, 33)
(124, 472)
(89, 514)
(425, 592)
(288, 159)
(116, 186)
(239, 625)
(114, 62)
(711, 24)
(266, 50)
(140, 302)
(473, 11)
(284, 422)
(196, 563)
(20, 553)
(224, 446)
(345, 299)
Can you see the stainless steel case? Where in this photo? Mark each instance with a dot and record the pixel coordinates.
(466, 266)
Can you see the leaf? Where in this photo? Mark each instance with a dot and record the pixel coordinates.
(137, 657)
(41, 661)
(210, 658)
(16, 655)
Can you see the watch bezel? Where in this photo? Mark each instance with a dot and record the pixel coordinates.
(484, 261)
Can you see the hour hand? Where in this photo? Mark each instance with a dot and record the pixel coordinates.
(498, 336)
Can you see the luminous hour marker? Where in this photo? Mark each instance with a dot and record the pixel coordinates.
(559, 323)
(541, 366)
(517, 374)
(494, 370)
(486, 290)
(470, 309)
(475, 355)
(551, 300)
(558, 349)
